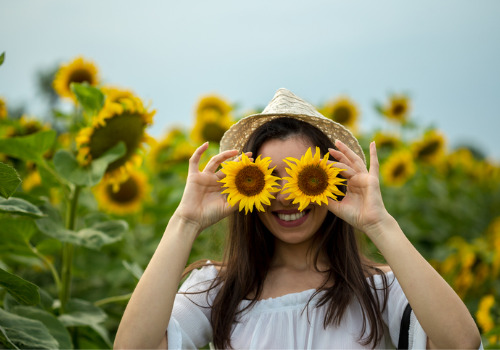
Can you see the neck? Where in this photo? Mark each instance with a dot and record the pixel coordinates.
(298, 257)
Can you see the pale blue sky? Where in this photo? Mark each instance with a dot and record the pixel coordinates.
(445, 54)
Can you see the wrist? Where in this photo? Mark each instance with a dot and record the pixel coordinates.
(384, 226)
(183, 225)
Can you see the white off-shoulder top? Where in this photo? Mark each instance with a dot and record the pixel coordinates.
(284, 322)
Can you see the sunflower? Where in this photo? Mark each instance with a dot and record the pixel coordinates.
(398, 108)
(125, 121)
(77, 71)
(126, 198)
(249, 183)
(430, 148)
(386, 141)
(312, 179)
(3, 108)
(213, 118)
(343, 111)
(174, 148)
(115, 94)
(398, 168)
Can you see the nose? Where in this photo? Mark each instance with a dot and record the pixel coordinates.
(281, 197)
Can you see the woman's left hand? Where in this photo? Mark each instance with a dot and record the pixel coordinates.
(362, 206)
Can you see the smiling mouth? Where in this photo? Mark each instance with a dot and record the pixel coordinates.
(292, 216)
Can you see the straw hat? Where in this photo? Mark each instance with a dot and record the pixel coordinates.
(286, 104)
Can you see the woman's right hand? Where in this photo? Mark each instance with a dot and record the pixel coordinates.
(202, 202)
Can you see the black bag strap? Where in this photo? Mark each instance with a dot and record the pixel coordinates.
(405, 328)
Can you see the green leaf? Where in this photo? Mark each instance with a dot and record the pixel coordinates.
(83, 313)
(91, 98)
(23, 291)
(2, 58)
(93, 237)
(19, 206)
(55, 327)
(133, 268)
(30, 147)
(9, 180)
(16, 230)
(20, 332)
(67, 166)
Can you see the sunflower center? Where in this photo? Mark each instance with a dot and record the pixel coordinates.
(250, 180)
(81, 76)
(398, 109)
(399, 170)
(213, 132)
(429, 149)
(128, 128)
(342, 115)
(128, 192)
(312, 180)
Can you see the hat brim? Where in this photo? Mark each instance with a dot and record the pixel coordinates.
(238, 134)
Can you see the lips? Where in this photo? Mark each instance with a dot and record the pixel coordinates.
(290, 218)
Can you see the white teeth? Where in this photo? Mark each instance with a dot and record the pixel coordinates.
(291, 217)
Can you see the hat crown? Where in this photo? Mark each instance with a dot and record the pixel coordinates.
(286, 102)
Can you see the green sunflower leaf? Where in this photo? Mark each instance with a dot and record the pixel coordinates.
(9, 180)
(55, 327)
(19, 332)
(2, 58)
(83, 313)
(31, 147)
(67, 166)
(93, 237)
(23, 291)
(91, 98)
(20, 207)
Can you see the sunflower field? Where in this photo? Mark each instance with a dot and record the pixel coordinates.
(86, 193)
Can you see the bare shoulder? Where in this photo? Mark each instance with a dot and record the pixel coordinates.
(378, 269)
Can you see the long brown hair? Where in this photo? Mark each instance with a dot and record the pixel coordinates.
(250, 248)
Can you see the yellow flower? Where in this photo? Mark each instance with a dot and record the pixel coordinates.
(32, 180)
(126, 198)
(249, 183)
(174, 148)
(125, 121)
(77, 71)
(116, 94)
(430, 148)
(213, 118)
(312, 179)
(398, 108)
(3, 108)
(483, 315)
(398, 168)
(386, 141)
(343, 111)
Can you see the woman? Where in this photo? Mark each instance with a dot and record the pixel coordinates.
(290, 278)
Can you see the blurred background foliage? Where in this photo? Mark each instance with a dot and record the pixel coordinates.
(86, 194)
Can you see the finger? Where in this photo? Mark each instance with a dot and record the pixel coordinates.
(374, 165)
(195, 158)
(215, 161)
(347, 173)
(356, 161)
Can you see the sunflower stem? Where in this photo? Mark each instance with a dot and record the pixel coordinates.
(113, 299)
(48, 263)
(68, 250)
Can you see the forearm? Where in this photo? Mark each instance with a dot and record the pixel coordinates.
(148, 312)
(440, 311)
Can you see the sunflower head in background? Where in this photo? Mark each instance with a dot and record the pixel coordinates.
(386, 141)
(249, 183)
(397, 109)
(398, 168)
(116, 122)
(116, 94)
(312, 179)
(125, 198)
(343, 111)
(174, 148)
(3, 108)
(213, 118)
(430, 149)
(77, 71)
